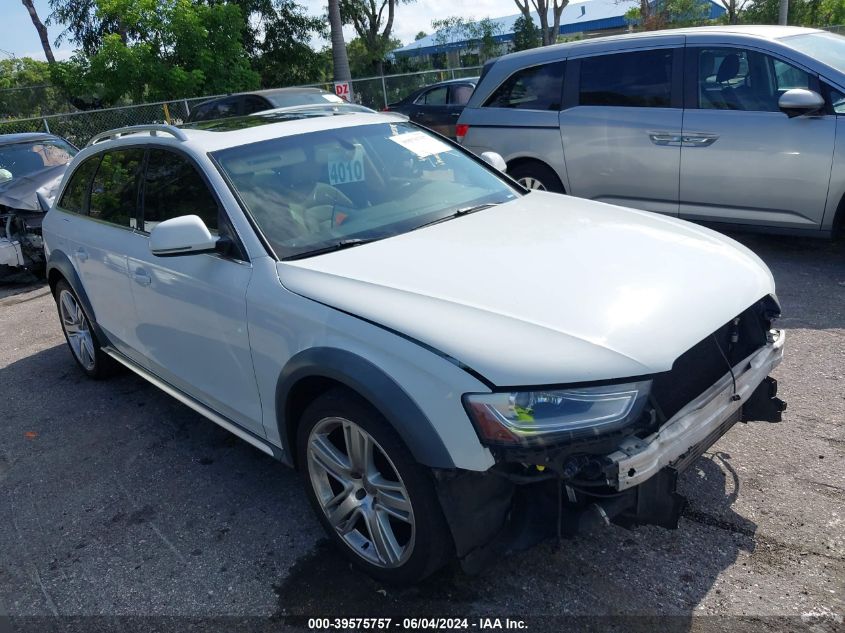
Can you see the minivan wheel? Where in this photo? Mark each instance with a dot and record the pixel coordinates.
(79, 335)
(374, 500)
(537, 177)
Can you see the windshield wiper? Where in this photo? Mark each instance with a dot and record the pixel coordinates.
(459, 212)
(337, 246)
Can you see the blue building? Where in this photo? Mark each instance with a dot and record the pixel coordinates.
(581, 17)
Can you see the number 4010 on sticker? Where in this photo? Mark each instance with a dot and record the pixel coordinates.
(343, 171)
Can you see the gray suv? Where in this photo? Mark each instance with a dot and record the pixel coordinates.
(724, 125)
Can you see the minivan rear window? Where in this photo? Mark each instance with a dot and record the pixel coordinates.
(534, 88)
(641, 79)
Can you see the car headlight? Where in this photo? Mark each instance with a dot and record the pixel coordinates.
(546, 416)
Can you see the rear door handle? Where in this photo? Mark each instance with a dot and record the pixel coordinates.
(82, 254)
(664, 138)
(699, 140)
(141, 277)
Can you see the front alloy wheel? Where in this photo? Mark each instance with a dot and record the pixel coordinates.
(360, 492)
(376, 502)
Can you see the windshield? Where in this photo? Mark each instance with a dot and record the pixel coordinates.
(313, 191)
(828, 48)
(24, 159)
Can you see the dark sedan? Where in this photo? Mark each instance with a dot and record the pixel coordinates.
(437, 106)
(259, 101)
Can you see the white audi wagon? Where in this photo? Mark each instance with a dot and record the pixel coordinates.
(448, 358)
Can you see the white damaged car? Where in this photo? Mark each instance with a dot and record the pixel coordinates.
(454, 363)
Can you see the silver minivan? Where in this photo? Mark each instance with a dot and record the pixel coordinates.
(725, 125)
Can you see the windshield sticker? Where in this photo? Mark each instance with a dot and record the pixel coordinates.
(421, 143)
(347, 167)
(333, 98)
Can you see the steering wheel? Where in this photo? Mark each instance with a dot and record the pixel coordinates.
(319, 207)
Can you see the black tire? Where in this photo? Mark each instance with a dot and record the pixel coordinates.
(536, 171)
(101, 365)
(432, 543)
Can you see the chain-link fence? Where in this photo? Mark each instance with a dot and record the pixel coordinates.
(78, 127)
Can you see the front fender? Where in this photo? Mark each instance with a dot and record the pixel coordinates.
(59, 263)
(373, 384)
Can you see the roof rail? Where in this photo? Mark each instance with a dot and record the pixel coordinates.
(152, 128)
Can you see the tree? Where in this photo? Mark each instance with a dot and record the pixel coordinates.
(477, 34)
(548, 33)
(373, 23)
(339, 58)
(42, 30)
(165, 51)
(25, 90)
(733, 9)
(526, 35)
(420, 35)
(676, 13)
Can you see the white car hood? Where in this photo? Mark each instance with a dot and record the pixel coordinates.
(545, 289)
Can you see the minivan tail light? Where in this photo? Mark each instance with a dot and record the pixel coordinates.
(461, 130)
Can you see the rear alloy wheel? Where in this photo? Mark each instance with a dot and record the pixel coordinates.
(79, 334)
(373, 499)
(536, 177)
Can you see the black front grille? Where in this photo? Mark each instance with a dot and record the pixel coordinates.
(697, 369)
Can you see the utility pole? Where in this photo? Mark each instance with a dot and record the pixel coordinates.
(783, 14)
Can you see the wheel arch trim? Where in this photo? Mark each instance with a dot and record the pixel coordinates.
(59, 264)
(371, 383)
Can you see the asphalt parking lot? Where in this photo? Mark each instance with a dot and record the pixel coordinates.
(117, 500)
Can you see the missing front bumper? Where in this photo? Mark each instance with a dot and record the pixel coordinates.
(497, 512)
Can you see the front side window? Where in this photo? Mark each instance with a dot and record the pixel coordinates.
(76, 191)
(534, 88)
(114, 192)
(738, 79)
(641, 79)
(172, 188)
(314, 191)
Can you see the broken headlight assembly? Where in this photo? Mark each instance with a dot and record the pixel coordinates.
(550, 416)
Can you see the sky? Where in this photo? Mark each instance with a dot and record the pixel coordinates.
(18, 36)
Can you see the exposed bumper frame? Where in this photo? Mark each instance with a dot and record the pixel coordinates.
(637, 460)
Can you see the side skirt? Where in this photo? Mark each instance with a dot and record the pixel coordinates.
(229, 425)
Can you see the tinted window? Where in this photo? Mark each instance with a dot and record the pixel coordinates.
(642, 79)
(535, 88)
(460, 94)
(114, 193)
(254, 104)
(76, 191)
(172, 188)
(737, 79)
(437, 96)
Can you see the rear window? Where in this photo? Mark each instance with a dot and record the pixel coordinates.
(534, 88)
(641, 79)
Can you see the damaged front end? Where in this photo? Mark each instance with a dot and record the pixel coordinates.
(571, 459)
(21, 246)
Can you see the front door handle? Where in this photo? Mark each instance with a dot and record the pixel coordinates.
(699, 140)
(664, 138)
(81, 254)
(141, 277)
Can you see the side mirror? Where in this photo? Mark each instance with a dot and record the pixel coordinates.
(495, 160)
(799, 101)
(185, 235)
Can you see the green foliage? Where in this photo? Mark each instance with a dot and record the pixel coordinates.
(480, 36)
(25, 89)
(373, 24)
(526, 35)
(420, 35)
(801, 12)
(178, 49)
(671, 14)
